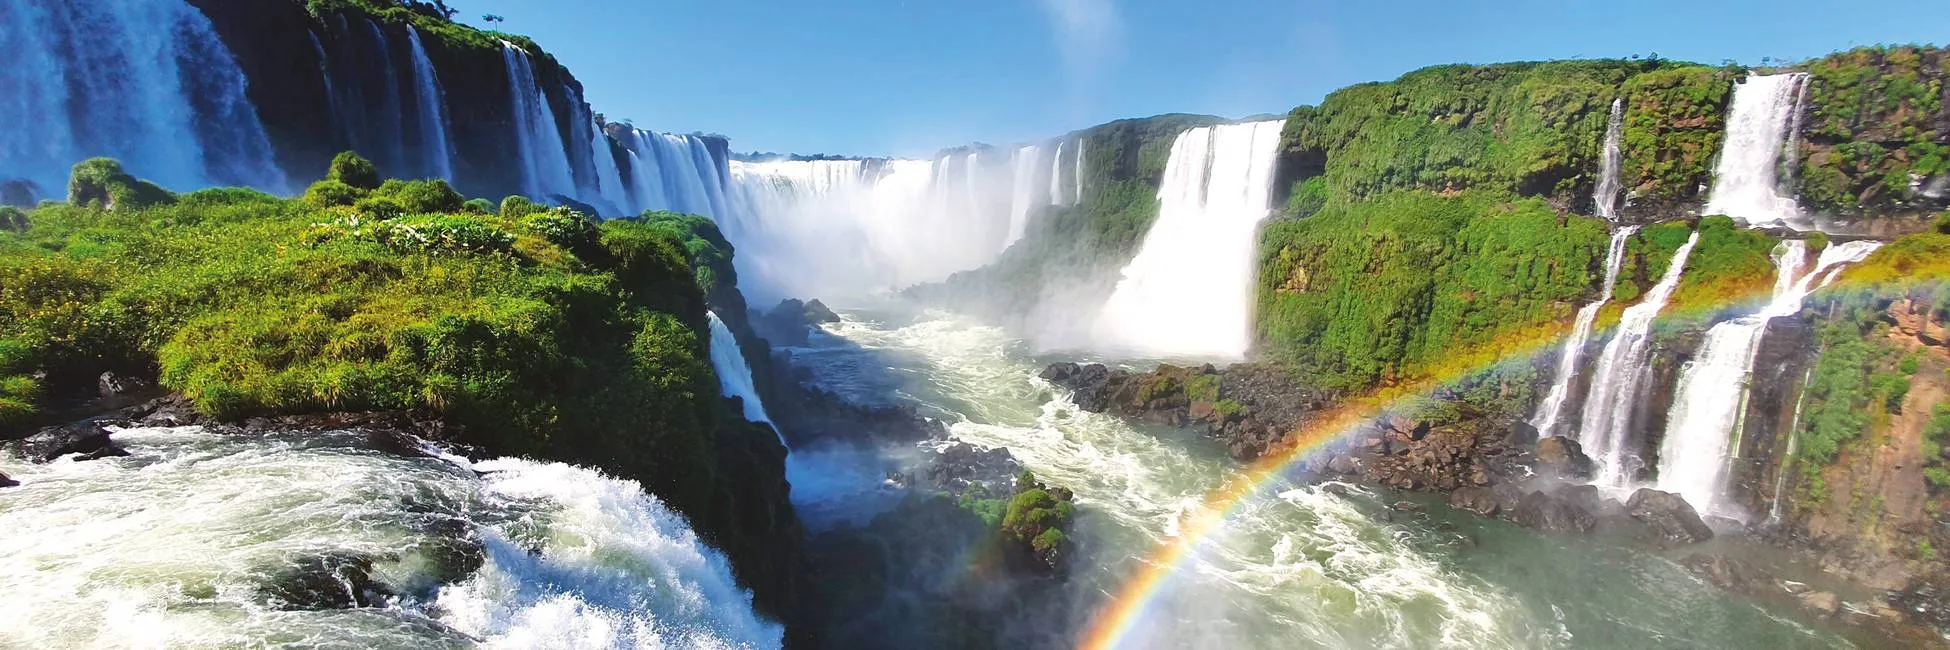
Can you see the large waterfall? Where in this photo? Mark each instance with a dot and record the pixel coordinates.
(1605, 198)
(204, 540)
(1552, 408)
(1705, 421)
(1021, 201)
(436, 154)
(144, 81)
(1188, 292)
(1747, 181)
(544, 162)
(1620, 370)
(666, 174)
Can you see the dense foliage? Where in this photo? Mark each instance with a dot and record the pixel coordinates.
(1382, 289)
(1875, 129)
(1675, 119)
(1530, 128)
(540, 333)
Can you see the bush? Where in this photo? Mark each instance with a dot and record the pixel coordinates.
(380, 207)
(479, 206)
(432, 195)
(101, 183)
(12, 219)
(351, 169)
(331, 193)
(514, 207)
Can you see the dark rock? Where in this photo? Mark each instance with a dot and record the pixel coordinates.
(1475, 499)
(171, 411)
(112, 385)
(816, 312)
(1343, 464)
(962, 466)
(1552, 515)
(1669, 516)
(19, 193)
(340, 581)
(86, 438)
(5, 481)
(1522, 433)
(1562, 457)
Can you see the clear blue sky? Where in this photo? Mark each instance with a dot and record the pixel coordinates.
(907, 77)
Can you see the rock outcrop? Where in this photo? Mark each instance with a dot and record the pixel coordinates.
(1246, 407)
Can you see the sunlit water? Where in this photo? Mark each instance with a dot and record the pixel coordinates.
(1294, 566)
(183, 544)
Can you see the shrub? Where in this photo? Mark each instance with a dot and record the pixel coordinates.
(331, 193)
(351, 169)
(514, 207)
(479, 206)
(564, 228)
(12, 219)
(380, 207)
(432, 195)
(219, 196)
(101, 183)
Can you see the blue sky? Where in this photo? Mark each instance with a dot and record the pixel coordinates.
(907, 77)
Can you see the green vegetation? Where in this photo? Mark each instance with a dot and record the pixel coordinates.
(1936, 466)
(101, 183)
(1873, 125)
(543, 335)
(1529, 128)
(1730, 266)
(1385, 289)
(1037, 515)
(1674, 121)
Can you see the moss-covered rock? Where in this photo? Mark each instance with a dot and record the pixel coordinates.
(1876, 137)
(101, 183)
(1675, 119)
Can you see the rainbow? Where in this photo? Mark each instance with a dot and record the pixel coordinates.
(1127, 607)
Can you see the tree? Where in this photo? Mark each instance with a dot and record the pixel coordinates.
(493, 19)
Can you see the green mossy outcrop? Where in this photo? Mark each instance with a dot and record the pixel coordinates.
(1877, 129)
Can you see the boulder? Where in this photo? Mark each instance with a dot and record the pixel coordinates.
(6, 481)
(111, 385)
(1475, 499)
(960, 466)
(86, 438)
(816, 312)
(1669, 516)
(19, 193)
(1552, 515)
(1823, 605)
(1562, 457)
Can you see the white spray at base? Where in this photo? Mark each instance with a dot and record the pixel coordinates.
(1552, 408)
(1618, 374)
(1188, 292)
(187, 541)
(1704, 426)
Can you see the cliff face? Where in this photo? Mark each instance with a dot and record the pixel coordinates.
(343, 78)
(1875, 137)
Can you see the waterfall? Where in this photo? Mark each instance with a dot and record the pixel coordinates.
(1056, 193)
(544, 161)
(1188, 291)
(436, 156)
(1552, 407)
(391, 108)
(147, 82)
(1077, 178)
(734, 372)
(611, 191)
(1620, 370)
(195, 539)
(1606, 196)
(1787, 455)
(1747, 180)
(1704, 425)
(1023, 192)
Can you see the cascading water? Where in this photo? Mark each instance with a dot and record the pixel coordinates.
(1779, 506)
(1024, 195)
(1605, 198)
(545, 170)
(198, 539)
(1552, 408)
(1076, 178)
(436, 155)
(1616, 378)
(1746, 182)
(1704, 424)
(1188, 290)
(667, 175)
(388, 145)
(734, 373)
(611, 177)
(147, 82)
(1057, 196)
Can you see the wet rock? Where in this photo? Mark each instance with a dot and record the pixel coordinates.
(1343, 464)
(1475, 499)
(1562, 457)
(816, 312)
(6, 481)
(340, 581)
(170, 411)
(86, 438)
(789, 324)
(1668, 515)
(1726, 573)
(1823, 605)
(111, 385)
(1552, 515)
(961, 466)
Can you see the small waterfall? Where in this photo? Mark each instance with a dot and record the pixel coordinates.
(1077, 178)
(1552, 408)
(1619, 372)
(436, 155)
(607, 173)
(145, 81)
(1711, 399)
(1747, 180)
(544, 160)
(734, 373)
(391, 111)
(1778, 507)
(1605, 199)
(1188, 291)
(1023, 194)
(1056, 193)
(194, 538)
